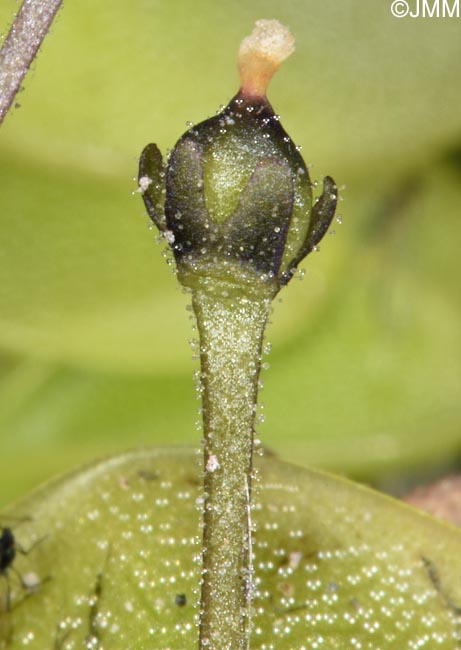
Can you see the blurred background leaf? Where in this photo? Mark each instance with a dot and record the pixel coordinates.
(94, 353)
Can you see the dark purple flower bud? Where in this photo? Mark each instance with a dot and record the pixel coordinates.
(238, 205)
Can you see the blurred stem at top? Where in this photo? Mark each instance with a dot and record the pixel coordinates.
(27, 32)
(234, 202)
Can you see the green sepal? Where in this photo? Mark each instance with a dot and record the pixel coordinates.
(322, 215)
(151, 167)
(186, 213)
(257, 230)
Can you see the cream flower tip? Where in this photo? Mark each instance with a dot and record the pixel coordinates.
(270, 40)
(261, 53)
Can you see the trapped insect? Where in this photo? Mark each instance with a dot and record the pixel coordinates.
(9, 547)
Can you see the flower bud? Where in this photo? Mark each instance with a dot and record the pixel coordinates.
(238, 205)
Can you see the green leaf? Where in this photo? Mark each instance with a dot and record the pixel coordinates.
(114, 548)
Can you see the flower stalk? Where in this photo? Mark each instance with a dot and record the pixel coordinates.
(231, 332)
(234, 202)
